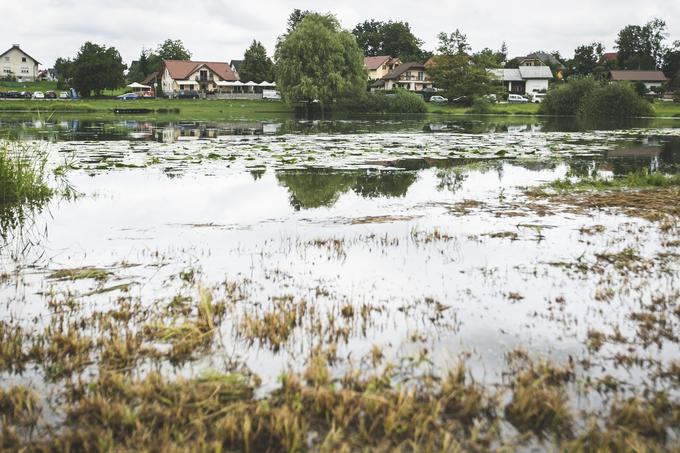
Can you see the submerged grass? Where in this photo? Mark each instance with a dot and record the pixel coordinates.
(633, 180)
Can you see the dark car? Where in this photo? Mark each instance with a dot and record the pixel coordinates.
(50, 95)
(462, 100)
(26, 95)
(191, 94)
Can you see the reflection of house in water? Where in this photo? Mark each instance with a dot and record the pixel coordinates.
(622, 161)
(194, 131)
(516, 128)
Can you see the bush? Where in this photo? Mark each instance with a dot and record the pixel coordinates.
(614, 101)
(481, 106)
(401, 101)
(588, 99)
(566, 99)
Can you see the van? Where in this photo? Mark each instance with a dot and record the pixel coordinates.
(516, 98)
(271, 94)
(537, 98)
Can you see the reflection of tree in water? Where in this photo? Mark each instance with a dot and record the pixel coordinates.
(314, 189)
(384, 184)
(317, 188)
(451, 179)
(670, 156)
(257, 174)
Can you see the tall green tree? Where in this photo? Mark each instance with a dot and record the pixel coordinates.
(256, 66)
(641, 47)
(671, 66)
(139, 69)
(587, 58)
(295, 18)
(319, 61)
(173, 50)
(389, 38)
(64, 68)
(456, 72)
(97, 68)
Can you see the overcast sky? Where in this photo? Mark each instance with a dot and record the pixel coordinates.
(220, 30)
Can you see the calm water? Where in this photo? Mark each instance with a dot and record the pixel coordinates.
(423, 210)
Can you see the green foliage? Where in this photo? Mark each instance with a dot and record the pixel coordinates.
(389, 38)
(64, 68)
(610, 102)
(641, 47)
(671, 66)
(488, 58)
(566, 99)
(97, 68)
(295, 18)
(256, 66)
(319, 61)
(481, 106)
(173, 50)
(401, 101)
(586, 58)
(22, 173)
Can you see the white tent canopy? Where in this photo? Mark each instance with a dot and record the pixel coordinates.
(138, 85)
(267, 84)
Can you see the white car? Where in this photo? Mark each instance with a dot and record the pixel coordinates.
(439, 99)
(38, 95)
(64, 95)
(516, 98)
(271, 94)
(537, 98)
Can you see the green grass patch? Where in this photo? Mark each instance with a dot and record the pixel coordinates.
(23, 176)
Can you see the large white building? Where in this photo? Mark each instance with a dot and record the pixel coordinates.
(525, 79)
(17, 63)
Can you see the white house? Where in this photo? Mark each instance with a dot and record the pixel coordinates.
(525, 79)
(17, 63)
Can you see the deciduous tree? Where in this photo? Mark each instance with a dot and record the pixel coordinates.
(389, 38)
(319, 61)
(256, 66)
(97, 68)
(173, 50)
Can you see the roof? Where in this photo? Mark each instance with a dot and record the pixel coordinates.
(150, 78)
(16, 46)
(179, 69)
(236, 64)
(546, 58)
(638, 76)
(535, 72)
(402, 68)
(609, 56)
(522, 73)
(373, 63)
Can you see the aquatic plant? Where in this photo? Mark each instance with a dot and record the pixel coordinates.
(23, 176)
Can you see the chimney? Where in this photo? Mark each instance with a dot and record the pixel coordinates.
(15, 45)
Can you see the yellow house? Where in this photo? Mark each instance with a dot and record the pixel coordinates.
(17, 63)
(379, 67)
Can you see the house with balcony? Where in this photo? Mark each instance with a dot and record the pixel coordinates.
(202, 76)
(379, 67)
(16, 63)
(408, 76)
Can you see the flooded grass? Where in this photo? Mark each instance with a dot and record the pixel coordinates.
(389, 298)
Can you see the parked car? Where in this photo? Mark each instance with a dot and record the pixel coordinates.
(462, 100)
(25, 95)
(50, 95)
(439, 99)
(12, 94)
(517, 99)
(191, 94)
(271, 94)
(64, 95)
(491, 98)
(38, 95)
(128, 96)
(148, 94)
(537, 98)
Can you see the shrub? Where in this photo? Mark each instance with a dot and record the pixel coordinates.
(22, 173)
(566, 99)
(481, 106)
(614, 101)
(401, 101)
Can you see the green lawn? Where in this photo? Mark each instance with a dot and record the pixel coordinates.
(497, 109)
(28, 86)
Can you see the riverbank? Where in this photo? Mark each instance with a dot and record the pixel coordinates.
(247, 109)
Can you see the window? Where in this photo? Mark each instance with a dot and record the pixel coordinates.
(7, 70)
(23, 59)
(421, 75)
(24, 70)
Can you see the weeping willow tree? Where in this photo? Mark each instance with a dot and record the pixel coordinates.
(318, 61)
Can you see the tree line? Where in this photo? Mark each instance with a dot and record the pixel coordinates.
(316, 59)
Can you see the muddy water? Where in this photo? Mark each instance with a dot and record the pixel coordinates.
(421, 226)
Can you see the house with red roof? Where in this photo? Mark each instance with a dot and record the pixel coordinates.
(378, 67)
(202, 76)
